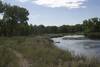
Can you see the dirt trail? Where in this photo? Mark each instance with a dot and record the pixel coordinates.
(22, 61)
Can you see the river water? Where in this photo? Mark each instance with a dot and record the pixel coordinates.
(78, 46)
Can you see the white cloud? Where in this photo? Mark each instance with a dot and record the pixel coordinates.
(23, 0)
(59, 3)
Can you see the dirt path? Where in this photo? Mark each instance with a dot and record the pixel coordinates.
(22, 61)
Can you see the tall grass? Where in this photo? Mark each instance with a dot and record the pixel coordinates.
(7, 58)
(40, 52)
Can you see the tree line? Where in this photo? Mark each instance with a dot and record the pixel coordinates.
(41, 29)
(14, 23)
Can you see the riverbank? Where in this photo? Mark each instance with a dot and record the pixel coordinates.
(95, 36)
(39, 51)
(62, 34)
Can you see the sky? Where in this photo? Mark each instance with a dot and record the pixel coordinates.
(58, 12)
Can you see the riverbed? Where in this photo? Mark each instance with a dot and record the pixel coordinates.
(78, 45)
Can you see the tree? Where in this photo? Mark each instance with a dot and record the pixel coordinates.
(63, 29)
(52, 29)
(14, 21)
(92, 27)
(1, 7)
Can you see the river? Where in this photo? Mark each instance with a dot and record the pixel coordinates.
(78, 45)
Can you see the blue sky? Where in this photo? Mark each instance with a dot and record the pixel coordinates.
(59, 12)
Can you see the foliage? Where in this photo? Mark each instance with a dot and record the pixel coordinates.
(14, 23)
(92, 27)
(14, 20)
(41, 29)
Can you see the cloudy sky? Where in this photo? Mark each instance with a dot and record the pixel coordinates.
(59, 12)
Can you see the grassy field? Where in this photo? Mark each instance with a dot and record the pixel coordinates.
(38, 51)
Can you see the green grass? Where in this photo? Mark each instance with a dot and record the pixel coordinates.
(39, 52)
(7, 58)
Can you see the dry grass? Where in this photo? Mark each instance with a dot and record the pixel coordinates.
(40, 52)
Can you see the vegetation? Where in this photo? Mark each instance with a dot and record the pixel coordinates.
(69, 29)
(92, 28)
(14, 20)
(14, 23)
(39, 51)
(7, 58)
(17, 50)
